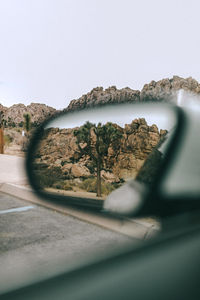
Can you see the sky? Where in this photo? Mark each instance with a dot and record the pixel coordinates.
(161, 115)
(53, 51)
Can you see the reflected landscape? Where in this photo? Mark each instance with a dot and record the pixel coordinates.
(94, 158)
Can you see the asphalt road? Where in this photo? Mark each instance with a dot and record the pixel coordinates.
(34, 235)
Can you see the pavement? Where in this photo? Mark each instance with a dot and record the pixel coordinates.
(13, 181)
(38, 238)
(35, 240)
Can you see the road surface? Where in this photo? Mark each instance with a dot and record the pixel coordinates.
(32, 236)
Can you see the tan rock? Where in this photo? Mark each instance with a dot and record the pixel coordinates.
(66, 169)
(79, 171)
(109, 177)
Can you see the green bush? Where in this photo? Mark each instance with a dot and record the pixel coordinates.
(7, 139)
(63, 185)
(107, 188)
(44, 180)
(68, 186)
(90, 185)
(47, 177)
(58, 185)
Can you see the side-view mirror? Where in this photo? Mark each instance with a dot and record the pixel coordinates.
(109, 157)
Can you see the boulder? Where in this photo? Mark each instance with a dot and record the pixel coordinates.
(79, 171)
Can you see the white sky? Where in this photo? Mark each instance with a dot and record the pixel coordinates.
(161, 115)
(53, 51)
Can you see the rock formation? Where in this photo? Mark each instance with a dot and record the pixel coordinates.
(165, 89)
(162, 90)
(59, 154)
(100, 96)
(3, 109)
(37, 111)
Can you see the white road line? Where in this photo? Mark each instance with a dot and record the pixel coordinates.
(18, 209)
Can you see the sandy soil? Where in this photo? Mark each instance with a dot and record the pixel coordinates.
(14, 150)
(80, 194)
(12, 169)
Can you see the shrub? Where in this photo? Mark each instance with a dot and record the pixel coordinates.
(44, 180)
(63, 185)
(89, 185)
(8, 139)
(107, 188)
(68, 186)
(47, 177)
(59, 185)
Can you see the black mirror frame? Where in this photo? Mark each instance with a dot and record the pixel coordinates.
(153, 204)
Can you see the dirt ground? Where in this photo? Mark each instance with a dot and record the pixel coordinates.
(14, 150)
(80, 194)
(14, 142)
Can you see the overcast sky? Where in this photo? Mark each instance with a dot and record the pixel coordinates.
(53, 51)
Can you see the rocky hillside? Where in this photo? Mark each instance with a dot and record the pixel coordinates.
(59, 157)
(100, 96)
(37, 111)
(165, 89)
(2, 109)
(162, 90)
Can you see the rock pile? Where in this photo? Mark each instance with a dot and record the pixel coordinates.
(162, 90)
(37, 111)
(165, 89)
(100, 96)
(59, 153)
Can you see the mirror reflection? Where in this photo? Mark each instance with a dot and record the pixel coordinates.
(91, 153)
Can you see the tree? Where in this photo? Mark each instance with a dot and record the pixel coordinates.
(27, 127)
(5, 123)
(27, 122)
(94, 140)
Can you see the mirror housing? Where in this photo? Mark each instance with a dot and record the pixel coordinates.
(138, 198)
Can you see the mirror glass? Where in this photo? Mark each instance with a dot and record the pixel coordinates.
(92, 152)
